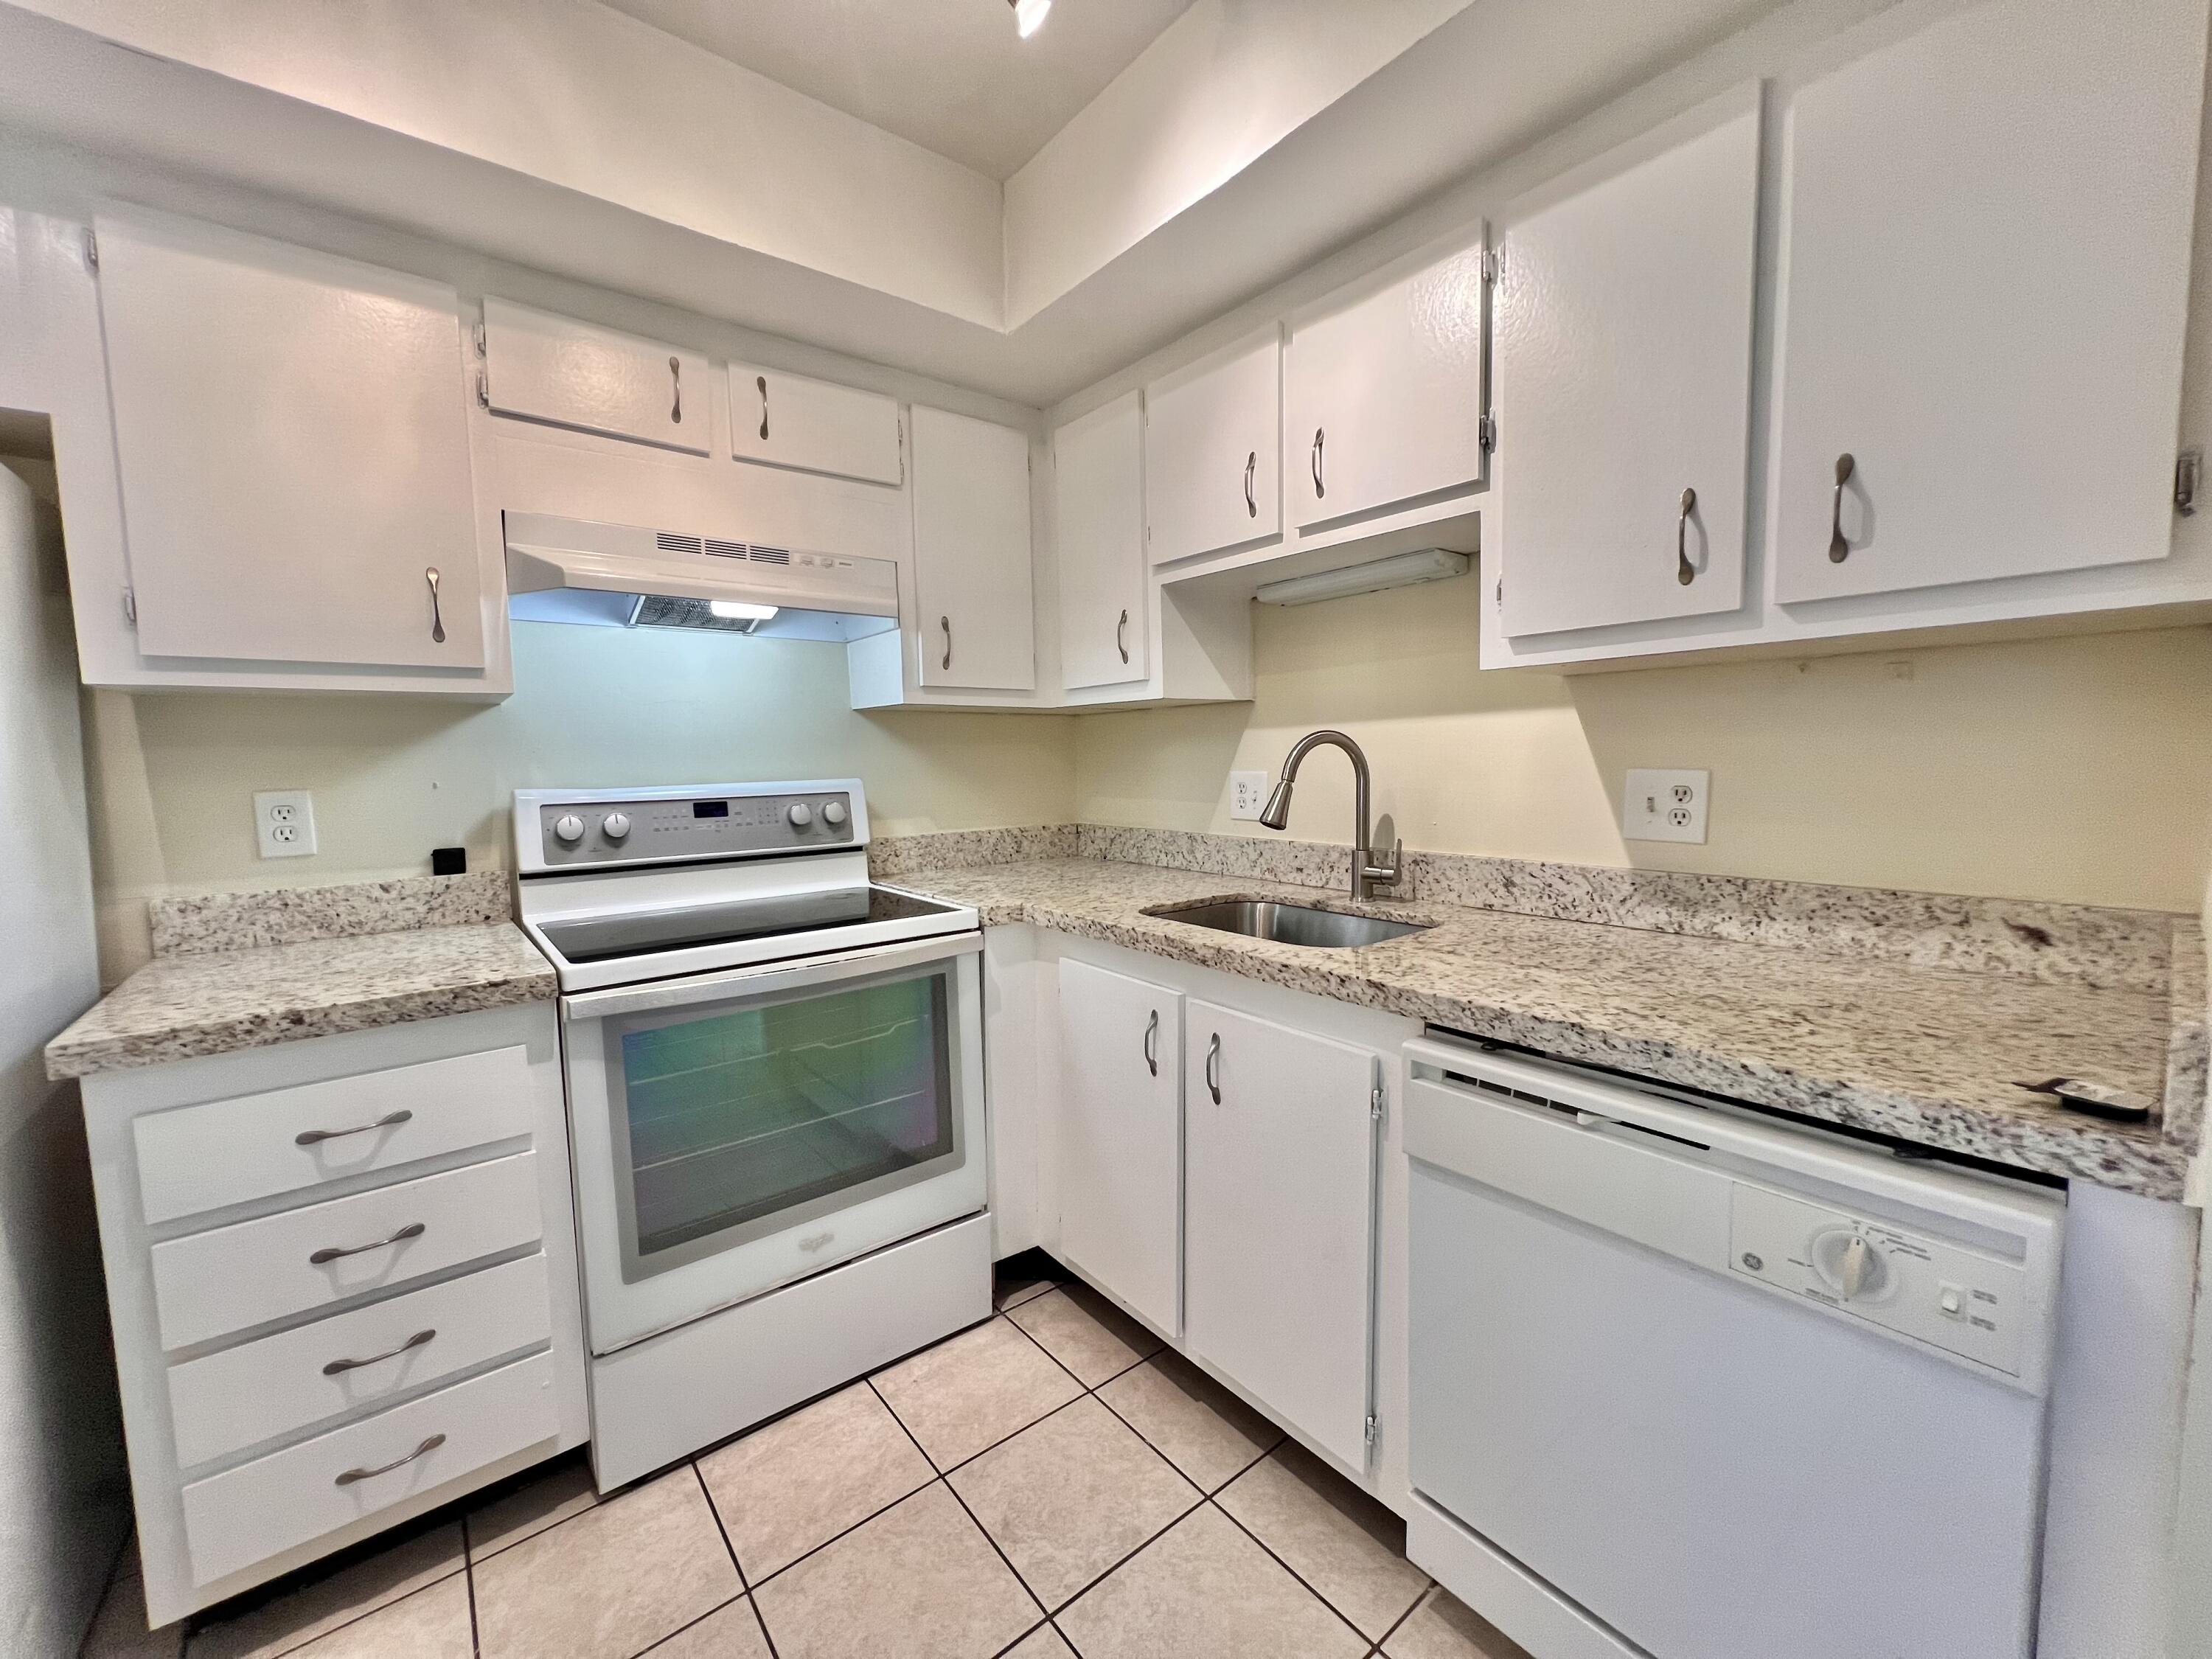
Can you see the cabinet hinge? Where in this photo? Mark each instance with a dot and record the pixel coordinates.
(1501, 590)
(1493, 265)
(484, 389)
(91, 249)
(482, 348)
(1375, 1103)
(130, 607)
(2188, 474)
(1368, 1429)
(1487, 431)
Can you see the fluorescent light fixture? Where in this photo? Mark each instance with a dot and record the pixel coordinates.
(1028, 15)
(1427, 564)
(739, 611)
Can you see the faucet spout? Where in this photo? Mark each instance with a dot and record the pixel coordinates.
(1367, 872)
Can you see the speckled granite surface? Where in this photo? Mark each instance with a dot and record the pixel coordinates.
(2188, 1043)
(954, 849)
(1927, 1053)
(286, 915)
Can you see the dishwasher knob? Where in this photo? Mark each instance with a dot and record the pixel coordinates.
(569, 828)
(1850, 1265)
(801, 815)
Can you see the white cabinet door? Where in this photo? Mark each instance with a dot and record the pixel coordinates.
(1118, 1139)
(1386, 394)
(1984, 297)
(971, 553)
(1278, 1222)
(1098, 519)
(293, 442)
(787, 420)
(1623, 382)
(1213, 453)
(541, 367)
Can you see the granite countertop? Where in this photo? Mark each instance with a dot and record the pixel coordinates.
(212, 1001)
(1927, 1054)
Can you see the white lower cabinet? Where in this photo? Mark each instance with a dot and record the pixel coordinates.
(1118, 1140)
(307, 1356)
(1278, 1219)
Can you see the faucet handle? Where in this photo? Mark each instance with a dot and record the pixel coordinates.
(1390, 872)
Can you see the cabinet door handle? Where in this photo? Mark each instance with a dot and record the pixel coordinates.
(945, 623)
(1121, 635)
(437, 616)
(331, 1253)
(1152, 1043)
(1214, 1068)
(429, 1445)
(1839, 549)
(1251, 472)
(1685, 572)
(676, 381)
(761, 380)
(1319, 489)
(312, 1137)
(340, 1367)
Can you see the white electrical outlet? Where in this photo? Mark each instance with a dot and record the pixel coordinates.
(284, 821)
(1665, 806)
(1247, 794)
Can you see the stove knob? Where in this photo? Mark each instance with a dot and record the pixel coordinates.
(801, 815)
(569, 828)
(833, 813)
(615, 824)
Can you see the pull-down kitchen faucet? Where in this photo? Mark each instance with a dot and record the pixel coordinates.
(1366, 874)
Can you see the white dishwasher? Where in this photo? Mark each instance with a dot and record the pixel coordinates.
(1691, 1384)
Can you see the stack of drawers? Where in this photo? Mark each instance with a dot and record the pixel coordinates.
(344, 1289)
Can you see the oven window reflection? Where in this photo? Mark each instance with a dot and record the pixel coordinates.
(739, 1114)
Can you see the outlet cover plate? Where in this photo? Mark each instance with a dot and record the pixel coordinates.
(1664, 805)
(1248, 795)
(285, 823)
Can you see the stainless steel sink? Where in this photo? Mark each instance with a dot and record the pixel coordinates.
(1291, 924)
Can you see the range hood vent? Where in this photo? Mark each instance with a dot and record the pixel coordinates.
(606, 575)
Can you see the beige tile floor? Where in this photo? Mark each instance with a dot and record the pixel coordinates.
(1048, 1483)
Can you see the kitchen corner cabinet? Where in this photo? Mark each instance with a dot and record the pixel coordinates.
(971, 554)
(1280, 1157)
(1098, 519)
(787, 420)
(1623, 340)
(1386, 393)
(1118, 1139)
(1213, 452)
(538, 366)
(293, 451)
(1981, 360)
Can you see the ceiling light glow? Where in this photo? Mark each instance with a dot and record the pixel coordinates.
(1028, 15)
(739, 611)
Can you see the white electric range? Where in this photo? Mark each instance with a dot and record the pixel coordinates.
(774, 1072)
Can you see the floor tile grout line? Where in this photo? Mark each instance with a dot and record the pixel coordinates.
(469, 1572)
(1301, 1577)
(745, 1581)
(646, 1651)
(1149, 1540)
(1397, 1622)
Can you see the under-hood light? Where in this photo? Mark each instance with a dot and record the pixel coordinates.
(1028, 15)
(739, 611)
(1428, 564)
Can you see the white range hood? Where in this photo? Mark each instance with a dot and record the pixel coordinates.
(610, 576)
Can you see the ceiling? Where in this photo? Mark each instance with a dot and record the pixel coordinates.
(950, 74)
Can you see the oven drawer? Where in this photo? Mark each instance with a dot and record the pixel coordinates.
(211, 1283)
(227, 1152)
(248, 1395)
(250, 1513)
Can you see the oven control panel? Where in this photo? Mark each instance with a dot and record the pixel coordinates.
(583, 828)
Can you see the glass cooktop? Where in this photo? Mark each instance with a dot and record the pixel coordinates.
(643, 932)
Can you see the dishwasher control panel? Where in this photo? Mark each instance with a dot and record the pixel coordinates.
(1954, 1299)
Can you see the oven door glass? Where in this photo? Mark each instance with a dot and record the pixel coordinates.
(739, 1119)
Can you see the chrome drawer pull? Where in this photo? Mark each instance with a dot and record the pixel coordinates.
(1839, 549)
(331, 1253)
(1214, 1068)
(1152, 1043)
(1319, 489)
(1251, 502)
(437, 616)
(1121, 635)
(429, 1445)
(316, 1137)
(1685, 572)
(676, 381)
(339, 1367)
(945, 623)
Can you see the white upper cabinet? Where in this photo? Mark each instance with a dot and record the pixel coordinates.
(1099, 528)
(1386, 394)
(787, 420)
(292, 440)
(1623, 381)
(1984, 289)
(538, 366)
(1213, 452)
(971, 553)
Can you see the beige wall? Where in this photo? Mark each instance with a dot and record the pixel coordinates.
(171, 773)
(2075, 769)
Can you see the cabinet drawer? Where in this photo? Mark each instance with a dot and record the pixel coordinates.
(564, 373)
(244, 1396)
(226, 1280)
(787, 420)
(250, 1513)
(227, 1152)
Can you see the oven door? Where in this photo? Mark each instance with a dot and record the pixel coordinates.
(735, 1132)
